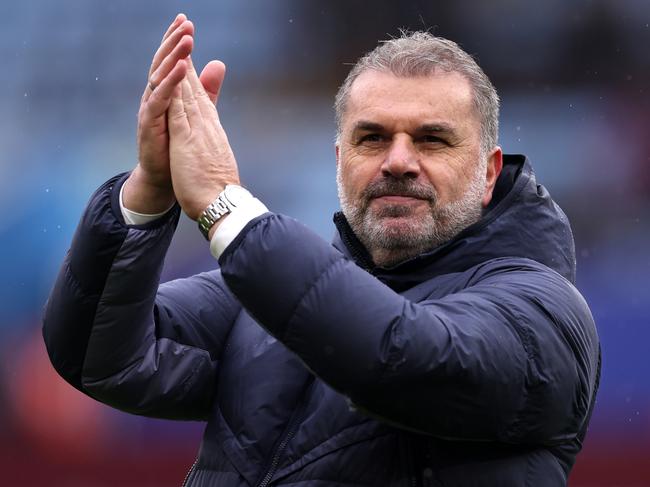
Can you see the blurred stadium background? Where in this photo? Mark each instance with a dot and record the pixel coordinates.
(574, 80)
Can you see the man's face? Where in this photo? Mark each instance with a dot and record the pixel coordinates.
(410, 173)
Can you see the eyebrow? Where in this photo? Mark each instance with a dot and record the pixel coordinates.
(363, 125)
(438, 127)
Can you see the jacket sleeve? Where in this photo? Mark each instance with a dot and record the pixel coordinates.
(114, 334)
(512, 357)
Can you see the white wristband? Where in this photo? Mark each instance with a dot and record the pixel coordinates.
(135, 218)
(233, 223)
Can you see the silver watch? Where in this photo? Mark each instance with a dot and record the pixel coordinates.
(229, 199)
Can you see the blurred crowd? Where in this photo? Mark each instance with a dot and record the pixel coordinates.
(574, 79)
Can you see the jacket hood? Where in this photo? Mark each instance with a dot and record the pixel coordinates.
(521, 221)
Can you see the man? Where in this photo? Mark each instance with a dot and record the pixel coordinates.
(439, 341)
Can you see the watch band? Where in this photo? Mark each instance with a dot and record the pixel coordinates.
(216, 210)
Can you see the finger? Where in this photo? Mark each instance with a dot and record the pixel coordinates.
(180, 18)
(160, 99)
(177, 120)
(212, 78)
(192, 77)
(181, 51)
(205, 104)
(168, 45)
(164, 50)
(190, 103)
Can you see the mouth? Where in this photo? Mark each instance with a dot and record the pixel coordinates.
(398, 199)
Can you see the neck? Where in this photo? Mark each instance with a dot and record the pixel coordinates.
(383, 257)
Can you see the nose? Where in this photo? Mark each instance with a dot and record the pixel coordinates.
(402, 159)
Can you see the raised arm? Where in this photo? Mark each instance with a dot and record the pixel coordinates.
(109, 330)
(115, 335)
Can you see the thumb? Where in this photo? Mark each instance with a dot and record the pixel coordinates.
(212, 78)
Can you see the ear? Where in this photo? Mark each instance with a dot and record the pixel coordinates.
(337, 149)
(494, 166)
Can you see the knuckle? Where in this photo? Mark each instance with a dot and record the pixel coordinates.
(145, 111)
(191, 101)
(201, 95)
(153, 98)
(142, 113)
(177, 116)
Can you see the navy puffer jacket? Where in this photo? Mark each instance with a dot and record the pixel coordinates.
(475, 364)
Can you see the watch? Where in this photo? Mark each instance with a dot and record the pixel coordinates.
(229, 199)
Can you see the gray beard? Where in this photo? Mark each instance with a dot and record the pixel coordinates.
(389, 245)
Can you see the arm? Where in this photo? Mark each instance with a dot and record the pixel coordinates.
(106, 330)
(510, 358)
(114, 335)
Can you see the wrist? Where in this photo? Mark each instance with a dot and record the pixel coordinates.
(201, 201)
(228, 200)
(204, 201)
(145, 194)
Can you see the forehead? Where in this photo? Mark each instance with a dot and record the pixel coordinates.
(394, 100)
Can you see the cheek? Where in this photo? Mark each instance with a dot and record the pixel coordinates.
(356, 174)
(451, 176)
(443, 180)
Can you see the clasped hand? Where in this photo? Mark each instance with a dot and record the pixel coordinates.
(183, 151)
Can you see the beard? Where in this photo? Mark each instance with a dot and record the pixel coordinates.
(393, 233)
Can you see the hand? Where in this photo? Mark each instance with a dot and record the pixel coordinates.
(149, 188)
(201, 160)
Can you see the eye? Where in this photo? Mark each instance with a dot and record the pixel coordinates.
(371, 138)
(432, 139)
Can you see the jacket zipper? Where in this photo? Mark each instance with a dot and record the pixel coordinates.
(291, 431)
(189, 472)
(278, 453)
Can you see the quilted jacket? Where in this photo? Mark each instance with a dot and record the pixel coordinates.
(474, 364)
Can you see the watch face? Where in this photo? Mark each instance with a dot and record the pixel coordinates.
(236, 194)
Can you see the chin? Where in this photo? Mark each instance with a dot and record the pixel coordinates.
(400, 231)
(401, 224)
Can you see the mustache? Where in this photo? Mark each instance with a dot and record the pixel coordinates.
(400, 187)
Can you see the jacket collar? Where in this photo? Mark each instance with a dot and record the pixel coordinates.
(521, 221)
